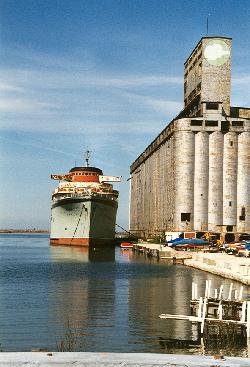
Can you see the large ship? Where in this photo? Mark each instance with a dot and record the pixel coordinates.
(84, 206)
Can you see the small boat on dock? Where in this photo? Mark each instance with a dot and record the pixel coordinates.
(126, 245)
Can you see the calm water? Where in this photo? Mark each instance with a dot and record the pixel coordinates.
(72, 299)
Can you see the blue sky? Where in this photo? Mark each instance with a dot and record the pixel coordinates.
(104, 75)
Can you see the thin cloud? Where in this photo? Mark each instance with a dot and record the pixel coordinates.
(243, 79)
(164, 106)
(19, 105)
(68, 100)
(38, 145)
(71, 79)
(135, 81)
(5, 87)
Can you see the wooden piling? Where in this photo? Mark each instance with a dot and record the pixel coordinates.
(248, 319)
(230, 291)
(241, 293)
(221, 292)
(222, 316)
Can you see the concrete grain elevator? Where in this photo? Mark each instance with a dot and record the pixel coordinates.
(195, 175)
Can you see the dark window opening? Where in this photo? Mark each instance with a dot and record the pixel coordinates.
(225, 126)
(185, 217)
(212, 106)
(243, 214)
(231, 143)
(229, 237)
(237, 123)
(229, 228)
(196, 123)
(211, 123)
(230, 203)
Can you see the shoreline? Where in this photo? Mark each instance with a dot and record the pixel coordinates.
(13, 231)
(222, 264)
(109, 359)
(227, 266)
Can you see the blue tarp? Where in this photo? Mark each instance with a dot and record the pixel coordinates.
(187, 241)
(176, 239)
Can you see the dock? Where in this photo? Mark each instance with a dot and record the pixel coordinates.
(227, 266)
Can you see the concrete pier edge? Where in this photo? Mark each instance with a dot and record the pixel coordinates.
(219, 271)
(105, 359)
(224, 265)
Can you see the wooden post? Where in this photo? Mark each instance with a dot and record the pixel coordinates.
(200, 307)
(196, 290)
(230, 291)
(205, 308)
(236, 294)
(248, 347)
(243, 311)
(215, 293)
(221, 291)
(248, 319)
(206, 289)
(209, 288)
(241, 293)
(204, 311)
(220, 311)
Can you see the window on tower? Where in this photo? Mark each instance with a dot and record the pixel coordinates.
(243, 214)
(212, 106)
(211, 123)
(185, 217)
(237, 123)
(196, 123)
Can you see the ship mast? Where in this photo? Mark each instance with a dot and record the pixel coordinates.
(87, 157)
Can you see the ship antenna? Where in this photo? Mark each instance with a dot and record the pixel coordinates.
(87, 156)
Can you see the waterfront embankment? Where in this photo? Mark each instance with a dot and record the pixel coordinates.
(25, 231)
(88, 359)
(227, 266)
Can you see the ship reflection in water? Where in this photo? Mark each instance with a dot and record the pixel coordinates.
(82, 254)
(82, 304)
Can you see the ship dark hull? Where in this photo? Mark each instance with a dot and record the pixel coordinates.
(83, 221)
